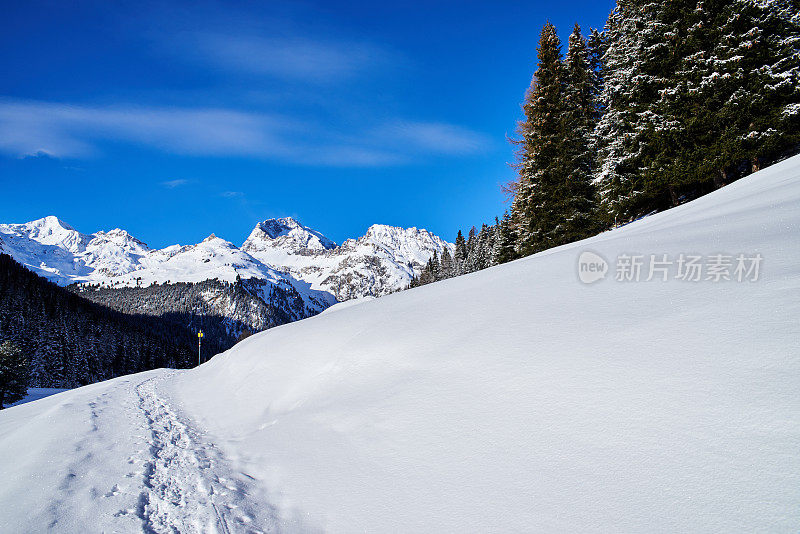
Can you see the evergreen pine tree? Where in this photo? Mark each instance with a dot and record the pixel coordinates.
(576, 194)
(740, 91)
(541, 161)
(447, 264)
(506, 246)
(13, 374)
(596, 49)
(460, 254)
(639, 65)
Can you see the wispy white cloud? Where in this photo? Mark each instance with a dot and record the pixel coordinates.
(79, 131)
(437, 137)
(62, 130)
(287, 57)
(172, 184)
(231, 194)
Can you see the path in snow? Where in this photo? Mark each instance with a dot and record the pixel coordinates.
(119, 457)
(187, 486)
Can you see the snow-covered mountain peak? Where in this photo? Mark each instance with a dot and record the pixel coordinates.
(212, 237)
(382, 261)
(114, 233)
(409, 244)
(50, 223)
(51, 231)
(386, 233)
(286, 234)
(120, 238)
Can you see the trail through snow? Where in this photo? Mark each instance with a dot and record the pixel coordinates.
(173, 478)
(187, 485)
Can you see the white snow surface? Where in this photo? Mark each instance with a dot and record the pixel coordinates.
(515, 399)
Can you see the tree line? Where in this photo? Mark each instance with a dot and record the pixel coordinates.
(670, 101)
(222, 310)
(481, 249)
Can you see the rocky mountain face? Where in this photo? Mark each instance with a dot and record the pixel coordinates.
(283, 272)
(384, 260)
(287, 235)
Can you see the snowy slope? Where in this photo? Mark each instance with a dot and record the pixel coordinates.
(514, 399)
(520, 399)
(118, 456)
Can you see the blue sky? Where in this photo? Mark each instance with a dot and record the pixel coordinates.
(174, 120)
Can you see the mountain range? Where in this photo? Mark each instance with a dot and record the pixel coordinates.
(278, 253)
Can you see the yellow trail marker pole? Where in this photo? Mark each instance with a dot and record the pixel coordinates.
(199, 340)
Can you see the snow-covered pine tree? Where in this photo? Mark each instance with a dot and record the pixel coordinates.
(540, 159)
(741, 85)
(505, 249)
(576, 193)
(460, 255)
(446, 269)
(637, 66)
(694, 90)
(480, 255)
(436, 267)
(13, 373)
(596, 49)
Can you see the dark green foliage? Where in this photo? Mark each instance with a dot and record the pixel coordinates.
(198, 306)
(506, 246)
(596, 49)
(577, 207)
(555, 201)
(460, 254)
(670, 101)
(697, 94)
(541, 160)
(14, 373)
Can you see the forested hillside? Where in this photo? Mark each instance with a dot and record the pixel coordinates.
(223, 310)
(70, 341)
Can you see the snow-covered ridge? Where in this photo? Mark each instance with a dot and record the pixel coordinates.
(286, 233)
(383, 260)
(277, 250)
